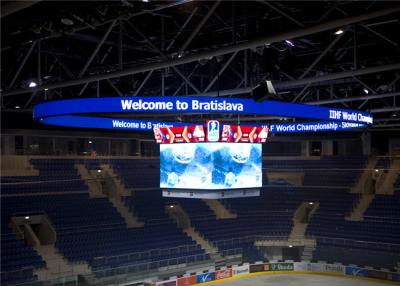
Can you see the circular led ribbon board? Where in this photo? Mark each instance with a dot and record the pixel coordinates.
(85, 113)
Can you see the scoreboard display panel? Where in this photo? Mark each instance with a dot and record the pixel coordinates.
(210, 166)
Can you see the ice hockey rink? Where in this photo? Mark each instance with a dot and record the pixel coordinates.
(300, 280)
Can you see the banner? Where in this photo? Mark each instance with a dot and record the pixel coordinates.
(256, 268)
(239, 270)
(356, 271)
(205, 277)
(283, 266)
(223, 273)
(187, 281)
(181, 104)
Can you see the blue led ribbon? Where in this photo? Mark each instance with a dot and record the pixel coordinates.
(82, 112)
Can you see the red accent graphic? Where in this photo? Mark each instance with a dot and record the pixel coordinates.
(180, 134)
(251, 134)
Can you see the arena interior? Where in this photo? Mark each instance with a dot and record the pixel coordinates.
(86, 203)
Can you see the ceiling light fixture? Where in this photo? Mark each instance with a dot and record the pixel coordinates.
(32, 84)
(67, 21)
(290, 43)
(366, 91)
(339, 32)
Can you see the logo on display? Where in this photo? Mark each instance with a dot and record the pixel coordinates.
(212, 131)
(281, 266)
(206, 277)
(355, 271)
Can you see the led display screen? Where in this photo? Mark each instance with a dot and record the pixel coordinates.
(210, 166)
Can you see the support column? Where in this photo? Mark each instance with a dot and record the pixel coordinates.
(327, 148)
(305, 148)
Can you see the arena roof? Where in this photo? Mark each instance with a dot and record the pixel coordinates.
(336, 53)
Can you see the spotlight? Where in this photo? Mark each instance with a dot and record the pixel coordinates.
(32, 84)
(339, 32)
(17, 107)
(366, 91)
(376, 170)
(311, 203)
(290, 246)
(145, 1)
(171, 206)
(98, 171)
(27, 217)
(290, 43)
(46, 89)
(90, 142)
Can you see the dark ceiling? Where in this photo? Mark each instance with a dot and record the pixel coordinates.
(115, 48)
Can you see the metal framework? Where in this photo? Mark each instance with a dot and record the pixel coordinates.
(209, 48)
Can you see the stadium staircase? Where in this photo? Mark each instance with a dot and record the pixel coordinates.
(112, 188)
(357, 214)
(220, 211)
(301, 218)
(307, 254)
(130, 220)
(387, 181)
(17, 166)
(365, 177)
(92, 181)
(113, 178)
(57, 265)
(178, 214)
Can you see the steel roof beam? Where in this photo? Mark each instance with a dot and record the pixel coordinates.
(222, 51)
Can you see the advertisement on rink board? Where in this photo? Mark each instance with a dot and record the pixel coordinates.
(239, 270)
(223, 273)
(356, 271)
(335, 268)
(187, 281)
(281, 266)
(256, 268)
(165, 283)
(205, 277)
